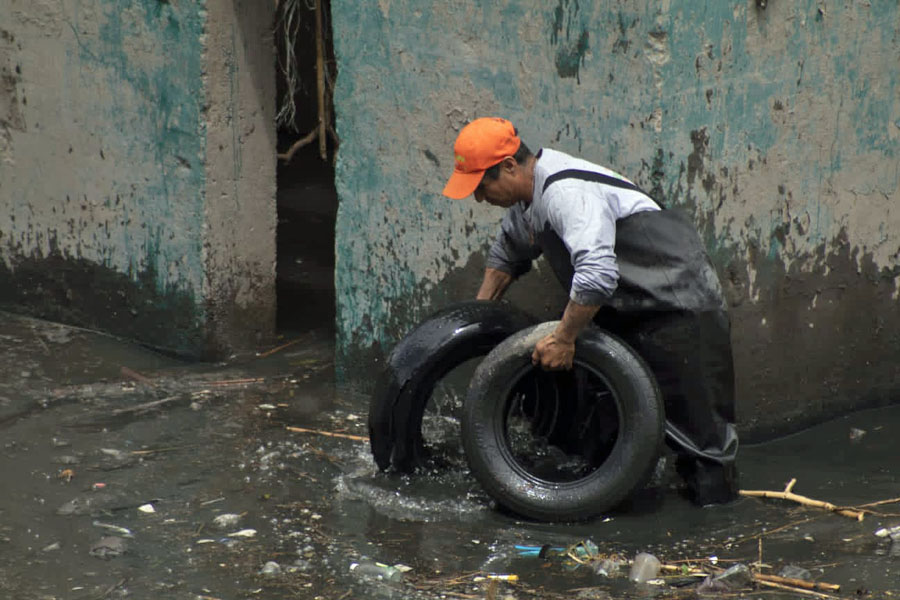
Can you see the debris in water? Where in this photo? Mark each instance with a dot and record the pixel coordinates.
(375, 570)
(796, 585)
(608, 567)
(644, 568)
(856, 434)
(75, 506)
(795, 572)
(120, 530)
(787, 494)
(357, 438)
(511, 577)
(147, 508)
(109, 547)
(226, 521)
(735, 577)
(131, 374)
(243, 533)
(892, 532)
(278, 348)
(271, 568)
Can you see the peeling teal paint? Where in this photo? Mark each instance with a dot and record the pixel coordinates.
(152, 118)
(781, 95)
(570, 35)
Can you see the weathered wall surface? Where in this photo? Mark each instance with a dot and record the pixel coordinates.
(110, 214)
(777, 128)
(240, 212)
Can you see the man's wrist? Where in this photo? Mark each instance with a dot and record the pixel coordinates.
(574, 320)
(563, 336)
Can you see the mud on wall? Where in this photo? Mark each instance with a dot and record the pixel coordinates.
(777, 128)
(114, 203)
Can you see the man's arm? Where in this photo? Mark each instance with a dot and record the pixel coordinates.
(587, 226)
(556, 351)
(494, 284)
(509, 257)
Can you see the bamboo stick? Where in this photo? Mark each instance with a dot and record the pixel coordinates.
(808, 585)
(357, 438)
(787, 494)
(797, 590)
(279, 348)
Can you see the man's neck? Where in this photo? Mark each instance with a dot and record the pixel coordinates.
(528, 182)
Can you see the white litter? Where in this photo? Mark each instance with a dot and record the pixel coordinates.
(243, 533)
(226, 520)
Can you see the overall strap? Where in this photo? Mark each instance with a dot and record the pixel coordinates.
(595, 177)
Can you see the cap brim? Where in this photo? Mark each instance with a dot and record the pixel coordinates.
(462, 185)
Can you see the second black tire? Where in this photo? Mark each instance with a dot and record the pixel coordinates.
(627, 461)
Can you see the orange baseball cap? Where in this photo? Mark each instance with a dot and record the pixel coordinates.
(479, 146)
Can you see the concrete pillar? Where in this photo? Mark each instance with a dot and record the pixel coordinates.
(137, 169)
(240, 212)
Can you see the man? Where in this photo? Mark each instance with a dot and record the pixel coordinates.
(632, 268)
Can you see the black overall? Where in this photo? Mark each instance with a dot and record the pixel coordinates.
(669, 307)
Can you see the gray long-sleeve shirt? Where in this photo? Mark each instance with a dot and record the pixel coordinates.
(572, 221)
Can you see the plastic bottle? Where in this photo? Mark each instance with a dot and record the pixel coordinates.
(376, 570)
(644, 568)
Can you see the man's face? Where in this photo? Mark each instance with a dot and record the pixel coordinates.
(501, 191)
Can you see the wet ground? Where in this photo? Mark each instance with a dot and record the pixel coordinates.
(127, 474)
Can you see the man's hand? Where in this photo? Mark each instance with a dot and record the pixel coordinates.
(556, 351)
(553, 354)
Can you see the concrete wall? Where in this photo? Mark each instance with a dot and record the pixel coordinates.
(776, 127)
(125, 204)
(240, 211)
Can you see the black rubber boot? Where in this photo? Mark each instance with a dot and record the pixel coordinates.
(708, 482)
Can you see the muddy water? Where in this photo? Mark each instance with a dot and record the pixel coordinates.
(317, 503)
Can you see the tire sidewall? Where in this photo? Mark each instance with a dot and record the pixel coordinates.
(641, 428)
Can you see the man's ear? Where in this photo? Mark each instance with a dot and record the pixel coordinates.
(510, 165)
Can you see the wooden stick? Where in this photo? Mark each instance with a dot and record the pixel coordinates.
(306, 139)
(781, 586)
(808, 585)
(137, 376)
(787, 494)
(776, 530)
(144, 406)
(358, 438)
(320, 81)
(172, 449)
(879, 503)
(279, 348)
(225, 382)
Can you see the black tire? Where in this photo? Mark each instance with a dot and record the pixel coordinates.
(605, 477)
(442, 342)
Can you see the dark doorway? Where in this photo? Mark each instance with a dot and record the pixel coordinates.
(307, 201)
